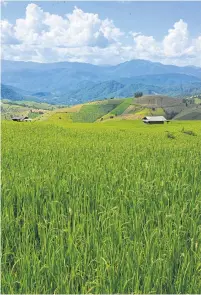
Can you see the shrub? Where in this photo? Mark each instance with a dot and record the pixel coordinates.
(189, 132)
(170, 135)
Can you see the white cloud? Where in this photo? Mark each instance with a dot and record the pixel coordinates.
(177, 40)
(175, 48)
(198, 44)
(74, 30)
(146, 46)
(29, 29)
(109, 30)
(135, 34)
(7, 33)
(81, 36)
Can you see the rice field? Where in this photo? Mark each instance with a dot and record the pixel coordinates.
(91, 112)
(119, 109)
(110, 207)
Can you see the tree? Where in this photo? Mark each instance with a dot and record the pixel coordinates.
(138, 94)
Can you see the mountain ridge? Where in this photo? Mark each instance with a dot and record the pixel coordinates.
(72, 83)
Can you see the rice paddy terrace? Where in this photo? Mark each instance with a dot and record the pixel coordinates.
(108, 207)
(31, 109)
(126, 109)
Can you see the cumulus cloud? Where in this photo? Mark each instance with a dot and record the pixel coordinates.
(7, 33)
(80, 36)
(146, 46)
(74, 30)
(177, 41)
(176, 47)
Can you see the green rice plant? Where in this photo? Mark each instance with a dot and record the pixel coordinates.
(100, 208)
(120, 108)
(91, 112)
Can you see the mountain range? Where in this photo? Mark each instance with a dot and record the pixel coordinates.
(73, 83)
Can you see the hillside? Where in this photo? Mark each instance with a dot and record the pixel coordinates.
(107, 109)
(8, 92)
(16, 94)
(121, 109)
(193, 113)
(75, 83)
(31, 109)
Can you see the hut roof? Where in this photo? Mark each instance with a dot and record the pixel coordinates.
(17, 118)
(155, 119)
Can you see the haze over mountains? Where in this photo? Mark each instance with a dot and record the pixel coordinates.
(72, 83)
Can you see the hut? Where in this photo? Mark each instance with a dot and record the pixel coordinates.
(20, 119)
(17, 119)
(154, 120)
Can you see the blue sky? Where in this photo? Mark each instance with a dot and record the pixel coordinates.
(152, 18)
(169, 32)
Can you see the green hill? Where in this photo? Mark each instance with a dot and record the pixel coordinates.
(121, 109)
(193, 113)
(108, 109)
(31, 109)
(8, 92)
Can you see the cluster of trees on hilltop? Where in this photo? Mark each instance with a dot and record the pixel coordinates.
(138, 94)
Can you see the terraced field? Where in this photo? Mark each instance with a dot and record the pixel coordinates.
(8, 110)
(90, 113)
(11, 109)
(193, 113)
(110, 109)
(121, 109)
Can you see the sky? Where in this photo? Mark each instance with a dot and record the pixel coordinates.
(101, 32)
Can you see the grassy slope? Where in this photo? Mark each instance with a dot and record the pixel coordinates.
(193, 113)
(113, 109)
(198, 100)
(8, 110)
(120, 108)
(100, 208)
(32, 104)
(23, 108)
(117, 109)
(90, 113)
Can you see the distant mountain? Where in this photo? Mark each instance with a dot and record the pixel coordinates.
(71, 83)
(144, 67)
(96, 91)
(41, 94)
(170, 79)
(9, 93)
(54, 77)
(167, 84)
(15, 94)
